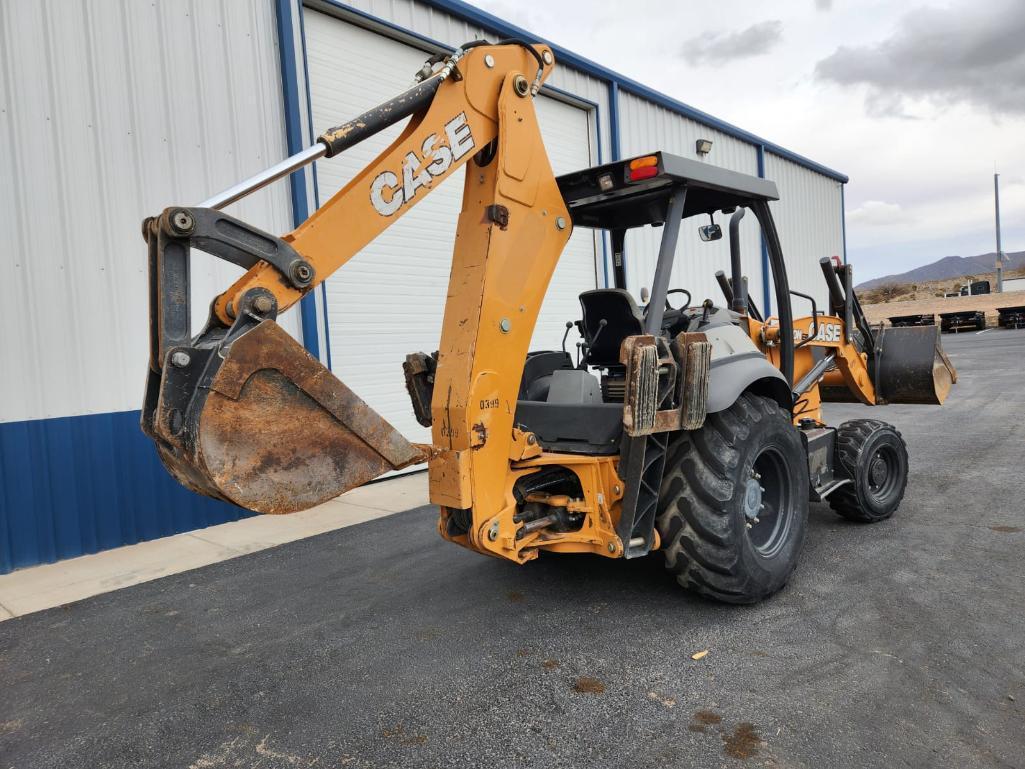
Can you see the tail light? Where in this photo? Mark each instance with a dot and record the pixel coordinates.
(643, 168)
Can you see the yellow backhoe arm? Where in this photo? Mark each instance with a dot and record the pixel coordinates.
(460, 120)
(242, 412)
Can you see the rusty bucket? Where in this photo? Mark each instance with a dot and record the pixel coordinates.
(910, 366)
(261, 423)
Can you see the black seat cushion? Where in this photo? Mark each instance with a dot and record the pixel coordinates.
(622, 317)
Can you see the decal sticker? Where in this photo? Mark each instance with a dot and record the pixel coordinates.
(828, 332)
(389, 192)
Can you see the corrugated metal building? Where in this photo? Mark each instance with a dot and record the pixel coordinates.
(112, 110)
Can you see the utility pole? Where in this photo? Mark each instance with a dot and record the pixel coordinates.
(1000, 251)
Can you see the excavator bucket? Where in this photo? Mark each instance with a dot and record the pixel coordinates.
(911, 367)
(264, 425)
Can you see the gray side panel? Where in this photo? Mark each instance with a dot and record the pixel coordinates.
(729, 377)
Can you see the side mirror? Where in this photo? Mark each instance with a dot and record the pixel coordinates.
(710, 232)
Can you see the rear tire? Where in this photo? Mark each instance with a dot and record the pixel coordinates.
(875, 457)
(716, 538)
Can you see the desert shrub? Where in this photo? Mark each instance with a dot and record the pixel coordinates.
(889, 291)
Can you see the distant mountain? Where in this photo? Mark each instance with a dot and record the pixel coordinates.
(950, 267)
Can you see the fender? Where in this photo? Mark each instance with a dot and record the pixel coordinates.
(737, 366)
(731, 376)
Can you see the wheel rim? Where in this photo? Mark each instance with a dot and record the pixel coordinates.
(768, 510)
(883, 474)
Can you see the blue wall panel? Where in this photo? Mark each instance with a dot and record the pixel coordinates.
(78, 485)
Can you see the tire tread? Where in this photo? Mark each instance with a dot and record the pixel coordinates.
(851, 439)
(694, 516)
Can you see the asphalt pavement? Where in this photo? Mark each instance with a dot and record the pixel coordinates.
(900, 644)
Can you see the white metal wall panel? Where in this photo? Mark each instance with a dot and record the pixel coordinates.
(389, 299)
(647, 127)
(110, 111)
(590, 89)
(448, 30)
(808, 217)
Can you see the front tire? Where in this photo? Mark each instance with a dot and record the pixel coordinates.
(733, 507)
(875, 457)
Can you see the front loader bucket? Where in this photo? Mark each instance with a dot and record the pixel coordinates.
(261, 423)
(910, 366)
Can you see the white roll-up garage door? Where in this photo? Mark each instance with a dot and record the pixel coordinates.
(389, 299)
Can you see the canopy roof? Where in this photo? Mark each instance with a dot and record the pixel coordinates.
(606, 197)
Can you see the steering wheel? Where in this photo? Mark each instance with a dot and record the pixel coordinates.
(678, 291)
(673, 310)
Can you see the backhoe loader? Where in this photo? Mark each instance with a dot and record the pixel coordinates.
(691, 428)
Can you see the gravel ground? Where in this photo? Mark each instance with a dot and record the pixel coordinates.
(895, 645)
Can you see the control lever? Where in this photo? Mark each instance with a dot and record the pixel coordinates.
(706, 306)
(586, 347)
(569, 325)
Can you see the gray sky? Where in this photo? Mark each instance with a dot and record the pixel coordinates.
(918, 102)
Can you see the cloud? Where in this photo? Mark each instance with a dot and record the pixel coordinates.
(877, 213)
(971, 53)
(880, 104)
(824, 5)
(720, 48)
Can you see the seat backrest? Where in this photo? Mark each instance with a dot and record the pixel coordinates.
(622, 319)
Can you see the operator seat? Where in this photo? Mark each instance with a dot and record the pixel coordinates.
(622, 319)
(582, 423)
